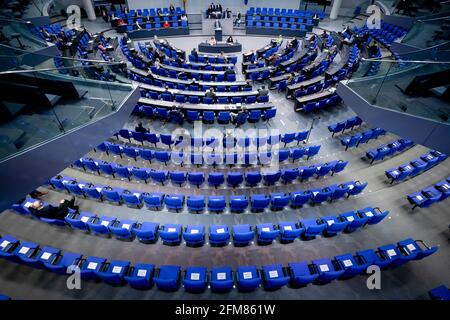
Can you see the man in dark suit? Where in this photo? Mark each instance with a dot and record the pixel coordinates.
(38, 209)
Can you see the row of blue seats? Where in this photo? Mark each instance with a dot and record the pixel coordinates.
(157, 25)
(284, 12)
(198, 158)
(386, 150)
(220, 279)
(4, 297)
(364, 137)
(146, 12)
(313, 106)
(311, 89)
(440, 293)
(218, 235)
(281, 19)
(193, 74)
(176, 202)
(416, 166)
(200, 58)
(341, 126)
(207, 117)
(195, 66)
(426, 197)
(195, 99)
(276, 25)
(214, 142)
(215, 179)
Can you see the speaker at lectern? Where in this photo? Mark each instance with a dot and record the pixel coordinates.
(217, 30)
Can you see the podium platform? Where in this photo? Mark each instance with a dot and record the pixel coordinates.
(220, 47)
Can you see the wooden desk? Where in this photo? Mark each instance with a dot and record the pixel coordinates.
(299, 102)
(293, 87)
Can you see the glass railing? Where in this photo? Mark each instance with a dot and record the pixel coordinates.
(19, 34)
(60, 103)
(427, 33)
(391, 87)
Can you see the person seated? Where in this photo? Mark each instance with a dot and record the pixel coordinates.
(291, 78)
(230, 39)
(212, 41)
(184, 17)
(294, 43)
(210, 94)
(194, 53)
(38, 209)
(236, 118)
(159, 12)
(237, 22)
(176, 115)
(166, 24)
(140, 128)
(171, 8)
(262, 92)
(248, 85)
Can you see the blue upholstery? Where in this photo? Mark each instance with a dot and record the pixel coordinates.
(274, 276)
(90, 267)
(248, 278)
(195, 279)
(302, 273)
(266, 233)
(242, 235)
(113, 272)
(140, 276)
(167, 278)
(221, 279)
(328, 271)
(171, 234)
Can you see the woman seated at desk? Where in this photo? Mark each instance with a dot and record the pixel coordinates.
(212, 41)
(230, 39)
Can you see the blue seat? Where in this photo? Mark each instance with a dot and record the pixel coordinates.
(196, 178)
(171, 234)
(253, 178)
(313, 227)
(60, 264)
(195, 279)
(174, 202)
(338, 191)
(259, 202)
(79, 220)
(216, 203)
(178, 177)
(140, 173)
(74, 188)
(146, 231)
(289, 231)
(242, 235)
(90, 267)
(299, 198)
(324, 169)
(307, 172)
(392, 255)
(113, 272)
(238, 203)
(311, 151)
(132, 199)
(208, 117)
(355, 220)
(248, 278)
(196, 203)
(440, 293)
(320, 195)
(355, 188)
(159, 176)
(153, 200)
(302, 273)
(194, 235)
(100, 225)
(162, 156)
(234, 179)
(339, 166)
(112, 194)
(167, 278)
(224, 117)
(297, 153)
(375, 215)
(192, 115)
(216, 179)
(352, 265)
(278, 201)
(270, 178)
(266, 233)
(334, 225)
(123, 229)
(140, 276)
(328, 270)
(219, 235)
(221, 280)
(274, 276)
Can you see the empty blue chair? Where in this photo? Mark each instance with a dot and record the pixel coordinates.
(234, 179)
(375, 215)
(219, 235)
(221, 279)
(352, 265)
(355, 187)
(194, 235)
(415, 248)
(302, 273)
(123, 229)
(113, 272)
(132, 199)
(334, 225)
(312, 151)
(90, 267)
(289, 231)
(216, 203)
(278, 201)
(174, 202)
(270, 178)
(355, 220)
(196, 203)
(216, 179)
(339, 166)
(248, 278)
(159, 176)
(259, 202)
(274, 276)
(79, 220)
(328, 271)
(146, 232)
(100, 225)
(167, 278)
(313, 227)
(195, 279)
(196, 178)
(299, 198)
(171, 234)
(153, 200)
(242, 235)
(238, 204)
(266, 233)
(60, 264)
(178, 177)
(162, 156)
(440, 293)
(140, 276)
(253, 178)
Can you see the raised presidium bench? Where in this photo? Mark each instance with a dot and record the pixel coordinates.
(290, 32)
(302, 102)
(220, 47)
(203, 106)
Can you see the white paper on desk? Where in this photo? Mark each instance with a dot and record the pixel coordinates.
(194, 231)
(350, 218)
(126, 226)
(116, 269)
(330, 222)
(81, 185)
(195, 276)
(221, 230)
(348, 263)
(419, 197)
(28, 204)
(265, 229)
(137, 194)
(141, 273)
(221, 276)
(4, 244)
(288, 228)
(105, 223)
(273, 274)
(84, 219)
(391, 253)
(324, 268)
(98, 189)
(46, 256)
(411, 247)
(369, 214)
(24, 250)
(315, 192)
(92, 265)
(247, 275)
(171, 229)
